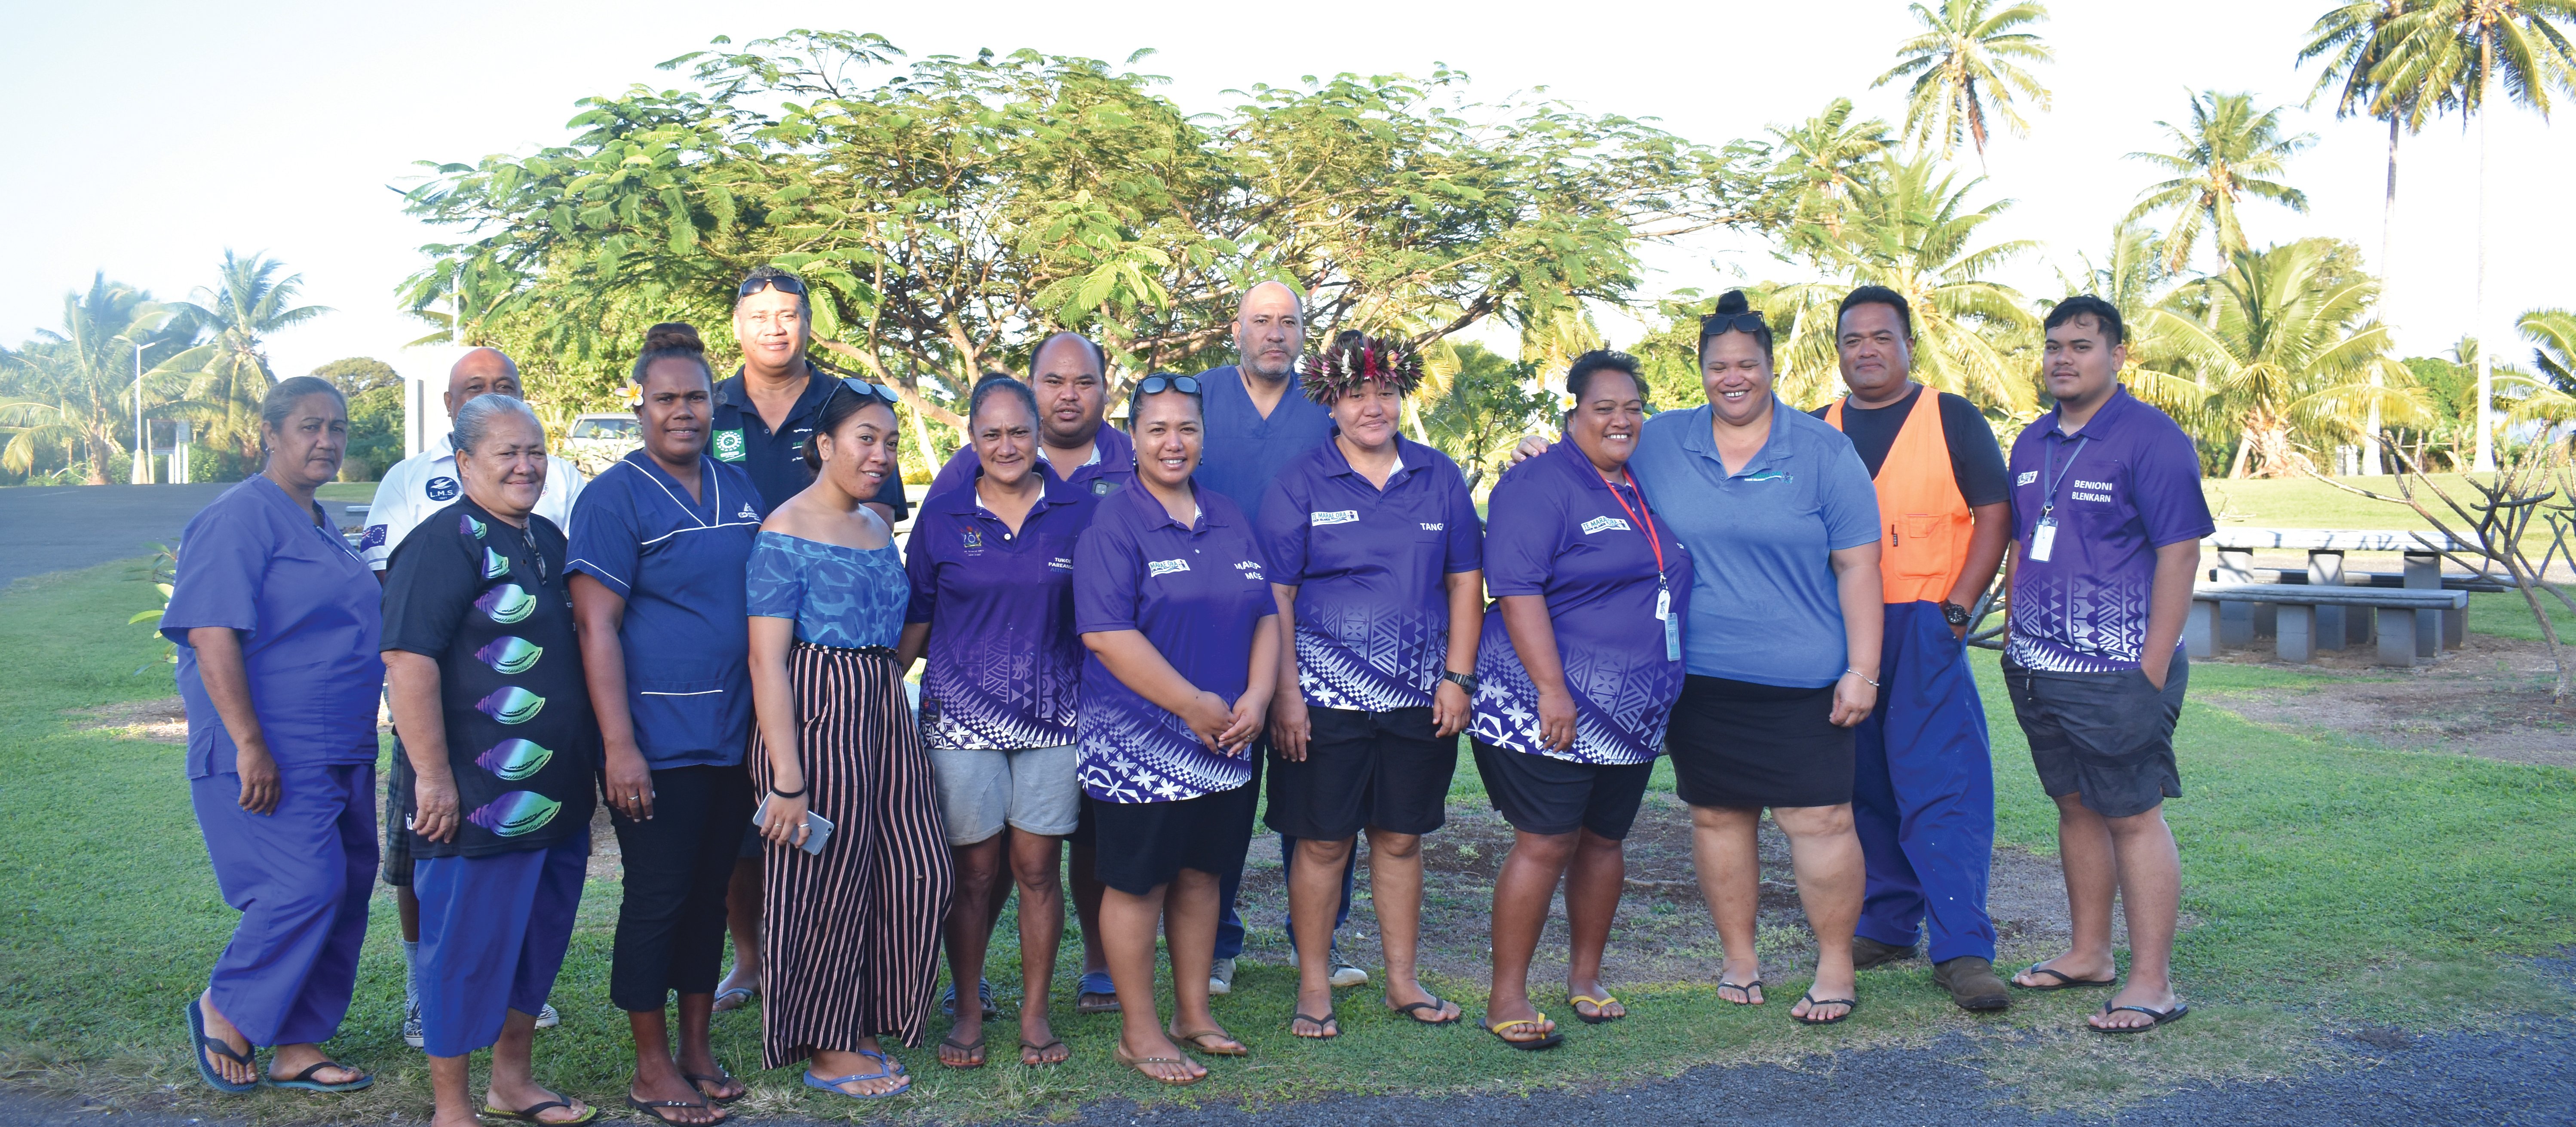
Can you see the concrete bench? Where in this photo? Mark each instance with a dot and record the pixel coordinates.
(2402, 617)
(2326, 548)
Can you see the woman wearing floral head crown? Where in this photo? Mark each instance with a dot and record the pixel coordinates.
(1374, 551)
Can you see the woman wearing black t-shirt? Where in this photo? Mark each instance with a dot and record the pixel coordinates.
(485, 678)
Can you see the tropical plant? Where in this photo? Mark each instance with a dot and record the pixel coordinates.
(2454, 52)
(1480, 411)
(165, 574)
(70, 395)
(1962, 61)
(1820, 162)
(2131, 275)
(247, 304)
(2227, 152)
(375, 393)
(2283, 347)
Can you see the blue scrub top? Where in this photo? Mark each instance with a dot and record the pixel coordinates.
(311, 618)
(1004, 668)
(1764, 606)
(1243, 451)
(679, 564)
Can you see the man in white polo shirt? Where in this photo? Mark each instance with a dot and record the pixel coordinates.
(414, 488)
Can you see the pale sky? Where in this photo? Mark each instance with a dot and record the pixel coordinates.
(144, 138)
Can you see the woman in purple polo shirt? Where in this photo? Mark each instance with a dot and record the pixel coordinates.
(1579, 667)
(991, 564)
(1374, 549)
(1171, 597)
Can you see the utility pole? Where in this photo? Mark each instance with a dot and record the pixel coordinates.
(142, 436)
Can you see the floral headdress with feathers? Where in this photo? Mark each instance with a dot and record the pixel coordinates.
(1353, 359)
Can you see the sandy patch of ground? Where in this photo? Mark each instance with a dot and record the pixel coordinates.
(163, 721)
(2489, 699)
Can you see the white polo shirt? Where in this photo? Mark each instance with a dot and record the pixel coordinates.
(426, 482)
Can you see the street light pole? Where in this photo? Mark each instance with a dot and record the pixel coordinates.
(142, 437)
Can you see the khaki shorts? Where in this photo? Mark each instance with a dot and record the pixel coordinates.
(1032, 790)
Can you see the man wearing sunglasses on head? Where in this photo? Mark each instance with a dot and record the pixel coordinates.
(765, 411)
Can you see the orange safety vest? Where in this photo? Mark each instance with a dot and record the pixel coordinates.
(1927, 521)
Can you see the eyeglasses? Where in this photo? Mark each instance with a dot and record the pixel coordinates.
(783, 283)
(1716, 324)
(1156, 385)
(865, 390)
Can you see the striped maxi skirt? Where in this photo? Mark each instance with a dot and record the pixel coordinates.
(851, 938)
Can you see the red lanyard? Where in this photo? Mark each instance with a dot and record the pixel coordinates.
(1646, 521)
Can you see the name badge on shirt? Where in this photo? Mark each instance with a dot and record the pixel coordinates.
(728, 445)
(1165, 567)
(2043, 540)
(1604, 524)
(1345, 516)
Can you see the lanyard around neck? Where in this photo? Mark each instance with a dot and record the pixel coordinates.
(1645, 523)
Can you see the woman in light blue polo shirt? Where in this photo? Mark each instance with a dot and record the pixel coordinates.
(1780, 646)
(660, 543)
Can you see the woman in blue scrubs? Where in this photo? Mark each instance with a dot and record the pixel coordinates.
(277, 622)
(661, 541)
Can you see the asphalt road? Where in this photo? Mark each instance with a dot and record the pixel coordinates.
(53, 527)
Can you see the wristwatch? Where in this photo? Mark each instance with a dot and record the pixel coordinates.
(1465, 681)
(1954, 614)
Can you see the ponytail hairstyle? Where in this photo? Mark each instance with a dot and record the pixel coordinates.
(670, 340)
(996, 383)
(1734, 314)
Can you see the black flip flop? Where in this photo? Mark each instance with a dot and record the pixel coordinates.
(1325, 1022)
(304, 1080)
(1026, 1047)
(654, 1108)
(1434, 1005)
(695, 1079)
(1849, 1005)
(2163, 1017)
(2065, 981)
(974, 1048)
(1747, 987)
(205, 1071)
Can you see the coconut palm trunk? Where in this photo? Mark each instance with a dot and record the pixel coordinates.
(2478, 316)
(2370, 454)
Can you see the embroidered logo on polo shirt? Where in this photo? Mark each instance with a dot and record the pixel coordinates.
(748, 513)
(1438, 527)
(442, 488)
(1605, 524)
(1165, 567)
(1251, 569)
(728, 445)
(1100, 487)
(1346, 516)
(375, 537)
(2027, 477)
(1061, 563)
(974, 539)
(1769, 475)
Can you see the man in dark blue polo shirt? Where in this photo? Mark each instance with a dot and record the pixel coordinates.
(1257, 420)
(2107, 521)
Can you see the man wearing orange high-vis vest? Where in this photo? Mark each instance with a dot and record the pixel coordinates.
(1923, 792)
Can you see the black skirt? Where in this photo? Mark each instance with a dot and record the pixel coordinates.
(1737, 743)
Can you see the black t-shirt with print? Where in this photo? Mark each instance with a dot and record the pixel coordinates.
(488, 602)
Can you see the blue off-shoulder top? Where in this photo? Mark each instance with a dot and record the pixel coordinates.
(844, 597)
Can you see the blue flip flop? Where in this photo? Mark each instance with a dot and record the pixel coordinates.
(890, 1064)
(205, 1071)
(304, 1080)
(834, 1085)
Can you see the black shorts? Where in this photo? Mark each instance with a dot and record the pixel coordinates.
(397, 820)
(1541, 795)
(1085, 830)
(1742, 744)
(2106, 738)
(1141, 846)
(1383, 770)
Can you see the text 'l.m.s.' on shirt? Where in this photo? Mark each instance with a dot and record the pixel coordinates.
(2103, 500)
(1765, 606)
(487, 602)
(1616, 577)
(679, 562)
(1197, 592)
(1370, 566)
(1004, 669)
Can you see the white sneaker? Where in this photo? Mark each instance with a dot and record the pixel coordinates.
(1346, 975)
(1221, 977)
(412, 1034)
(547, 1018)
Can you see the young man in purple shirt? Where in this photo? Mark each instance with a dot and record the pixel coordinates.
(1065, 376)
(2107, 521)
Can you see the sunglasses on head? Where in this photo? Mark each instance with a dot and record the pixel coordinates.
(1716, 324)
(783, 283)
(1156, 385)
(865, 390)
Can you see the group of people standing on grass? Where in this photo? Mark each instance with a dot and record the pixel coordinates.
(1121, 633)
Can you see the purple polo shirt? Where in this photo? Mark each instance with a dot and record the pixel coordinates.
(1112, 464)
(1561, 532)
(2127, 484)
(1005, 667)
(1197, 592)
(1369, 566)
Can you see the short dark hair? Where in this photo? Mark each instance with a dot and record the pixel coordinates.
(2103, 313)
(1099, 356)
(804, 303)
(1578, 378)
(996, 383)
(1876, 295)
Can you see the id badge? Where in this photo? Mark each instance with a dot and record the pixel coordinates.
(1672, 639)
(1663, 604)
(2043, 539)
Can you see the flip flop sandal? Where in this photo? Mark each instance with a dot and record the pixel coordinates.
(892, 1066)
(1596, 1017)
(974, 1051)
(654, 1108)
(1813, 1003)
(834, 1085)
(1333, 1028)
(1198, 1041)
(1550, 1041)
(2162, 1018)
(742, 995)
(983, 997)
(1747, 988)
(2064, 981)
(1096, 984)
(1119, 1053)
(206, 1071)
(305, 1081)
(1435, 1005)
(532, 1112)
(719, 1079)
(1026, 1048)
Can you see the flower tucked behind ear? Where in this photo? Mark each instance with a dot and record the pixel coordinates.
(633, 393)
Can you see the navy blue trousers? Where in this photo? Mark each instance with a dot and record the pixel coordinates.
(1923, 793)
(300, 876)
(493, 932)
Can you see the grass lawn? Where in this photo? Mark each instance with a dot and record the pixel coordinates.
(2331, 885)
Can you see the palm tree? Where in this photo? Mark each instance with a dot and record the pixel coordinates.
(2222, 156)
(248, 303)
(1962, 70)
(2456, 51)
(2133, 278)
(2551, 383)
(1823, 157)
(74, 390)
(2282, 345)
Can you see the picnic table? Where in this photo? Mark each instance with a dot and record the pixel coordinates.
(2238, 620)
